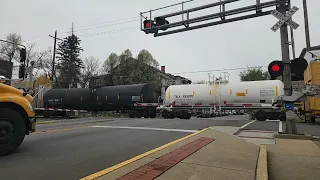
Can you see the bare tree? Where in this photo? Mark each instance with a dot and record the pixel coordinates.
(91, 69)
(8, 51)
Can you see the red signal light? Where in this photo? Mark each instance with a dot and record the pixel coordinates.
(147, 25)
(275, 68)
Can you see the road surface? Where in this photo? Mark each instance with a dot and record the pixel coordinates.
(76, 148)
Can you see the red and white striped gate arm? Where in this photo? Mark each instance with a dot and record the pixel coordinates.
(55, 109)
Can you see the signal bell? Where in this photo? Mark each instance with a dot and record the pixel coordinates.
(275, 69)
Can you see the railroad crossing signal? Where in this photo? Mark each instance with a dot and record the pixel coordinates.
(275, 69)
(298, 66)
(285, 18)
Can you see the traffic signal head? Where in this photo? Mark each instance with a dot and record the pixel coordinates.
(148, 27)
(298, 66)
(160, 21)
(275, 69)
(23, 55)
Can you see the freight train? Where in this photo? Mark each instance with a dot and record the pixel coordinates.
(257, 97)
(108, 98)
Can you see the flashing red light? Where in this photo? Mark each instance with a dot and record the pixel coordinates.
(148, 25)
(275, 68)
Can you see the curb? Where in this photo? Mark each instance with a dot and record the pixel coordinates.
(262, 165)
(293, 136)
(124, 163)
(45, 122)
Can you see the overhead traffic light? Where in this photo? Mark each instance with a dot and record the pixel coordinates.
(275, 69)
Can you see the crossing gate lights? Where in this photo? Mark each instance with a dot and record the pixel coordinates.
(298, 66)
(149, 25)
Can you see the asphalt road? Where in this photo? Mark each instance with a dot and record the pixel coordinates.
(73, 149)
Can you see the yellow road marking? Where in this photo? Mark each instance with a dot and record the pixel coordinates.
(45, 122)
(262, 166)
(59, 130)
(124, 163)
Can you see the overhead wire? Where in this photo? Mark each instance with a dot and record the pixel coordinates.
(218, 70)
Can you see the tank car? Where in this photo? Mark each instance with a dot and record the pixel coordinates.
(250, 92)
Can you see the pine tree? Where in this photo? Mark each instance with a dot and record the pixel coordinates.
(70, 64)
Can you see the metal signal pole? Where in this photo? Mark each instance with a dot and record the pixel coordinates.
(285, 52)
(306, 24)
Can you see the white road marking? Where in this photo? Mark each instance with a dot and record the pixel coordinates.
(270, 120)
(280, 127)
(247, 124)
(146, 128)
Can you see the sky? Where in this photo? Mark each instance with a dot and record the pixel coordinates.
(106, 26)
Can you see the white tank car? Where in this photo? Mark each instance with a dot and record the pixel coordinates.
(239, 92)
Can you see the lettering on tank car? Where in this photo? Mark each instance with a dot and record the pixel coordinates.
(183, 96)
(267, 92)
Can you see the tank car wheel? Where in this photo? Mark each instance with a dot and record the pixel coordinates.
(145, 114)
(165, 114)
(261, 115)
(138, 114)
(131, 114)
(188, 115)
(153, 114)
(172, 115)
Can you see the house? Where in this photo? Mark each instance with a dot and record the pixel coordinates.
(165, 79)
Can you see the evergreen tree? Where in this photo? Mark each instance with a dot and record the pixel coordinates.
(70, 64)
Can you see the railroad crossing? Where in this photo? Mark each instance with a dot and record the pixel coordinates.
(285, 19)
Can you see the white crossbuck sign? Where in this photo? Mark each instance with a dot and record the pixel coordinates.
(285, 18)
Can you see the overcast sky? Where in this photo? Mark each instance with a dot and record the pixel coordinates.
(107, 26)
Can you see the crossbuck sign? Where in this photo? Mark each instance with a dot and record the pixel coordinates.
(285, 18)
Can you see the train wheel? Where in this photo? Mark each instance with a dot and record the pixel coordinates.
(261, 115)
(153, 114)
(165, 115)
(188, 115)
(138, 114)
(172, 115)
(131, 114)
(146, 114)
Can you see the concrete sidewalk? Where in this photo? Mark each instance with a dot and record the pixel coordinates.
(222, 156)
(292, 159)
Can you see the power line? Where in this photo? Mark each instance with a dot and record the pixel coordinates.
(215, 70)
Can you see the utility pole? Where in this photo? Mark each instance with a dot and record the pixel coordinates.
(54, 53)
(285, 52)
(306, 24)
